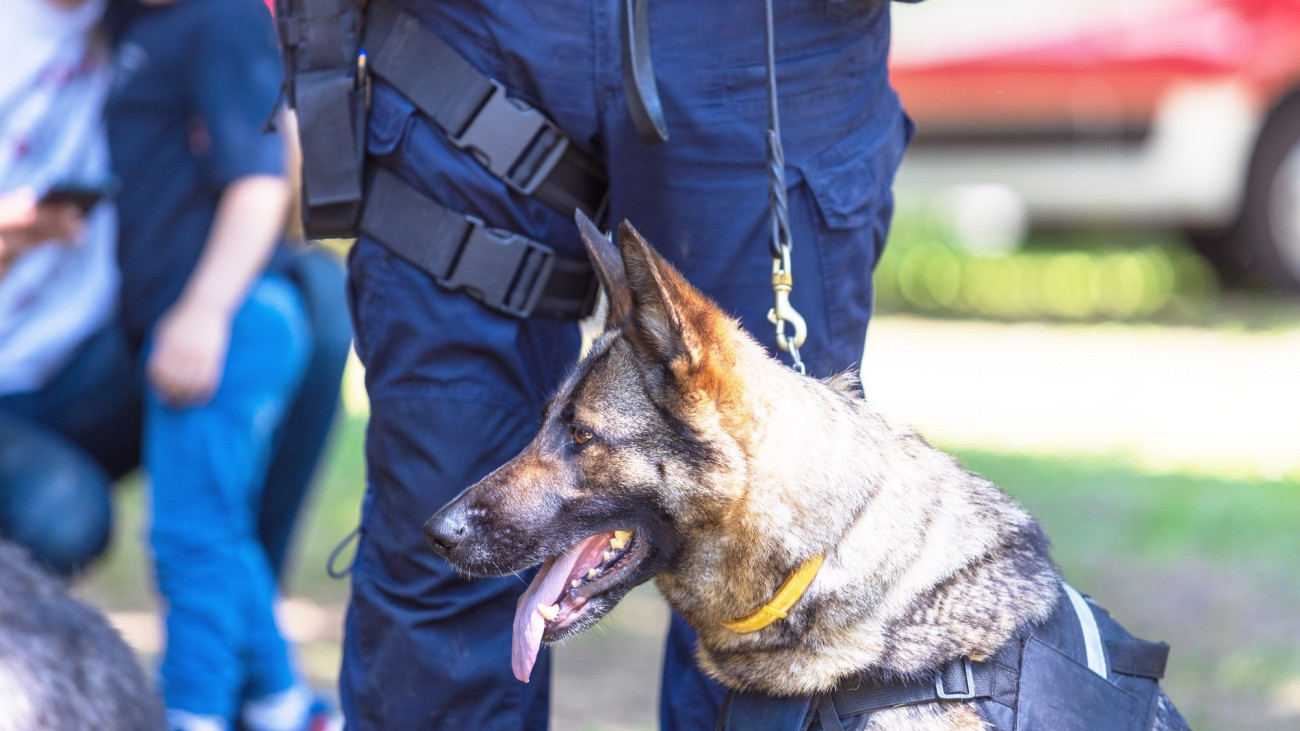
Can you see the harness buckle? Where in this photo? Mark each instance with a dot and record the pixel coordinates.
(504, 271)
(965, 695)
(513, 140)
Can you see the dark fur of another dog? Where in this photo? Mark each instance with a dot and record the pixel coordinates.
(679, 451)
(62, 666)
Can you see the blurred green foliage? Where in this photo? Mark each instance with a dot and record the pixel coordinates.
(1060, 277)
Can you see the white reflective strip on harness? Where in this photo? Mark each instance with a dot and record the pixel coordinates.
(1091, 635)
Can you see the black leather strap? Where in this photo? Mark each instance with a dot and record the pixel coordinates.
(639, 86)
(514, 141)
(504, 271)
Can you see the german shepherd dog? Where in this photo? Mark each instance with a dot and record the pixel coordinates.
(62, 666)
(679, 451)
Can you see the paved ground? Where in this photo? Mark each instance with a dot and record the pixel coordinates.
(1215, 402)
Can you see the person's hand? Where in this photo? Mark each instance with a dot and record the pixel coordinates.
(17, 209)
(189, 353)
(25, 222)
(17, 213)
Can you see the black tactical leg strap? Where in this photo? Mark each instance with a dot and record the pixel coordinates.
(506, 272)
(514, 141)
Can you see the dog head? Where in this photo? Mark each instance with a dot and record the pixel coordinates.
(640, 446)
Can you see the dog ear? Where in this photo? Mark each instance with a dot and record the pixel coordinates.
(609, 270)
(669, 318)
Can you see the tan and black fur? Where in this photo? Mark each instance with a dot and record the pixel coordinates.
(734, 470)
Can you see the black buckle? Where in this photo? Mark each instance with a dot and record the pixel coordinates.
(513, 140)
(966, 695)
(504, 271)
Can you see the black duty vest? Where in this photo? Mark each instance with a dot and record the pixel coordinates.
(1077, 671)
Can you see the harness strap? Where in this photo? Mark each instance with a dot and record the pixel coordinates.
(828, 714)
(514, 141)
(506, 272)
(1138, 657)
(958, 680)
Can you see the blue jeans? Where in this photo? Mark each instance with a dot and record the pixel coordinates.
(57, 504)
(60, 449)
(54, 500)
(206, 466)
(457, 389)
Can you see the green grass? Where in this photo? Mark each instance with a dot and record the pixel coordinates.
(1094, 505)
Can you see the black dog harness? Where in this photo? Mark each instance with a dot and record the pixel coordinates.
(1077, 671)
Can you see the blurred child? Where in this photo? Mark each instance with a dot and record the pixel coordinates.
(202, 205)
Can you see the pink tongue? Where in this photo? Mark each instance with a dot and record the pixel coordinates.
(547, 586)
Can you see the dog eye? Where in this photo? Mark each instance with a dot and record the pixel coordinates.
(580, 435)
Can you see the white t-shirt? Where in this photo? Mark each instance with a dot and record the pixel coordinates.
(53, 82)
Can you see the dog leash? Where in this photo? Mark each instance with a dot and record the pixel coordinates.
(783, 312)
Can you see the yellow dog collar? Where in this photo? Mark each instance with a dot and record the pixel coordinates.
(790, 592)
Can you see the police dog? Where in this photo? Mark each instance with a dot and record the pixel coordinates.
(62, 666)
(679, 450)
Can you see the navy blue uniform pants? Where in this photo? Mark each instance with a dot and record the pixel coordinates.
(456, 389)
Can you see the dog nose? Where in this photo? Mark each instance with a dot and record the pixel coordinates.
(445, 530)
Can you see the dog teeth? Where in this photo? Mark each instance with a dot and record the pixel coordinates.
(549, 613)
(622, 535)
(593, 573)
(607, 555)
(575, 583)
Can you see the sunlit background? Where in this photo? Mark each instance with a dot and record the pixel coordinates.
(1085, 298)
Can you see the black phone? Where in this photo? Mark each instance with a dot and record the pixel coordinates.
(82, 195)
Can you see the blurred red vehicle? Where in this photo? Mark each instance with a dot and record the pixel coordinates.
(1174, 114)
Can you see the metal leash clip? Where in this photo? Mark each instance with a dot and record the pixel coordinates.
(784, 313)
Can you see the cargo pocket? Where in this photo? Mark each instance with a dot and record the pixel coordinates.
(850, 203)
(844, 179)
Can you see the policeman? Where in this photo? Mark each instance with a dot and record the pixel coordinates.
(465, 331)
